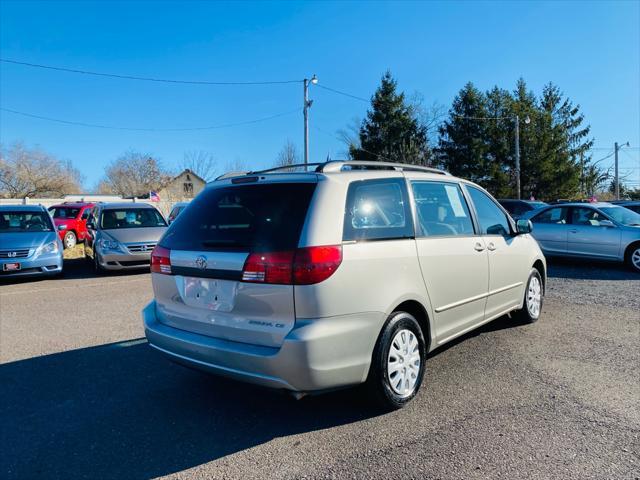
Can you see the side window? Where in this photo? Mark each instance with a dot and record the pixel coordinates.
(586, 217)
(441, 210)
(556, 215)
(492, 219)
(377, 210)
(85, 214)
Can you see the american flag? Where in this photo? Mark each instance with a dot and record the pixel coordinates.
(154, 197)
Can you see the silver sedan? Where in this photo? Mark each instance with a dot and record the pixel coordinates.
(592, 230)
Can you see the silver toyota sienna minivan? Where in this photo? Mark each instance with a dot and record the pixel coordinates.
(344, 275)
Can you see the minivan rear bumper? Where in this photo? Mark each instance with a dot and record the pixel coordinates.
(317, 354)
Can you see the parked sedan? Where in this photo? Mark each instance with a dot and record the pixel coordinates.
(176, 210)
(592, 230)
(630, 204)
(29, 244)
(517, 208)
(122, 235)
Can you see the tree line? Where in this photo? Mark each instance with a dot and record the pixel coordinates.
(476, 140)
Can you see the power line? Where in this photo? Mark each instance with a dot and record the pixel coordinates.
(146, 79)
(111, 127)
(343, 93)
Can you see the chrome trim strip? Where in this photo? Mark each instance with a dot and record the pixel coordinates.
(476, 297)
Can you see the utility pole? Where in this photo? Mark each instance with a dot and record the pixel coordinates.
(617, 177)
(616, 149)
(518, 157)
(307, 105)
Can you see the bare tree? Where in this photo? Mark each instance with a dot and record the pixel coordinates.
(32, 172)
(288, 155)
(135, 174)
(237, 165)
(200, 162)
(350, 136)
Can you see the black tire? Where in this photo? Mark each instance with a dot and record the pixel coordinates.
(378, 383)
(97, 268)
(525, 314)
(70, 240)
(632, 256)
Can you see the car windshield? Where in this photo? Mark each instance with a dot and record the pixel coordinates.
(131, 218)
(64, 212)
(24, 222)
(622, 215)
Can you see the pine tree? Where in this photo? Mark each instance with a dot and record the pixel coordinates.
(462, 146)
(391, 130)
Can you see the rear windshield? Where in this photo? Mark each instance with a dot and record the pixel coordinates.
(267, 217)
(64, 212)
(131, 218)
(18, 222)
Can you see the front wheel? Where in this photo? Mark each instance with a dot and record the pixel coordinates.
(633, 258)
(397, 366)
(533, 295)
(70, 240)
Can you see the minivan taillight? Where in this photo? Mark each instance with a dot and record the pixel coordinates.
(304, 266)
(316, 264)
(160, 260)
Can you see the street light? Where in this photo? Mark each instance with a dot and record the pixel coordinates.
(616, 149)
(307, 105)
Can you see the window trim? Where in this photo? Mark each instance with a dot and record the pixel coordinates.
(348, 230)
(414, 210)
(510, 221)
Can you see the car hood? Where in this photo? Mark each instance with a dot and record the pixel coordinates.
(134, 235)
(25, 240)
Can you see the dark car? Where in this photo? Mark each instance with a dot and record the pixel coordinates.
(630, 204)
(517, 208)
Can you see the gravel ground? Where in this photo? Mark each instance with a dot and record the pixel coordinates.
(84, 397)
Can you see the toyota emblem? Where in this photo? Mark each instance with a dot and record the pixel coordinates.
(201, 262)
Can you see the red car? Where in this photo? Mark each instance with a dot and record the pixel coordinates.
(70, 219)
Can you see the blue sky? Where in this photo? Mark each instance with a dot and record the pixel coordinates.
(591, 50)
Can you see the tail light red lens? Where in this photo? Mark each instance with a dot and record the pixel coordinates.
(273, 267)
(304, 266)
(160, 260)
(316, 264)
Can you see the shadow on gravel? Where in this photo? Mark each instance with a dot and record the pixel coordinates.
(588, 270)
(123, 411)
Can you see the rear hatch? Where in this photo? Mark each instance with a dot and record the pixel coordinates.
(199, 277)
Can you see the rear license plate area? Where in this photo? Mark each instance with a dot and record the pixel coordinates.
(207, 293)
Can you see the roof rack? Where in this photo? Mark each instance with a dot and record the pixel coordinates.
(339, 165)
(333, 166)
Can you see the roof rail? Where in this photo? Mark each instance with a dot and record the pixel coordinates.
(338, 166)
(231, 175)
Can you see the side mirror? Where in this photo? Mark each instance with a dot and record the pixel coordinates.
(607, 223)
(90, 225)
(524, 226)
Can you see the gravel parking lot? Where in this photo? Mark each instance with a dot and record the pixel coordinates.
(84, 396)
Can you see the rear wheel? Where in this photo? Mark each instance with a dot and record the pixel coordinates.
(633, 257)
(70, 240)
(397, 366)
(533, 295)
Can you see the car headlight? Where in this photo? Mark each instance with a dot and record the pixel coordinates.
(47, 248)
(110, 245)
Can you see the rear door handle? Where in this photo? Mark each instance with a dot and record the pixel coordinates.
(478, 247)
(491, 246)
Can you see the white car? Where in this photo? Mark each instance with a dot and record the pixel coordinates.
(347, 274)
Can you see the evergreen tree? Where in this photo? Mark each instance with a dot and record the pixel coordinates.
(462, 147)
(391, 130)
